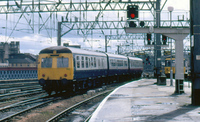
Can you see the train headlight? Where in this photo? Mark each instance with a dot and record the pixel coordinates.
(43, 75)
(65, 75)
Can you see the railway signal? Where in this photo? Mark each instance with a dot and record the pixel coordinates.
(164, 39)
(132, 24)
(142, 23)
(148, 38)
(132, 11)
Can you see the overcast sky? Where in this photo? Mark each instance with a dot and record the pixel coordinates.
(33, 43)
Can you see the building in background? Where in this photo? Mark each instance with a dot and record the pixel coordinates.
(8, 48)
(16, 65)
(22, 60)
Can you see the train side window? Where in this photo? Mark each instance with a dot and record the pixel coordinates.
(111, 62)
(99, 63)
(132, 65)
(86, 62)
(46, 63)
(77, 57)
(102, 62)
(92, 62)
(77, 62)
(119, 63)
(138, 63)
(95, 63)
(135, 63)
(89, 62)
(62, 62)
(114, 62)
(82, 62)
(125, 63)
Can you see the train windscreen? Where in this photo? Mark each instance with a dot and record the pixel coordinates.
(46, 63)
(62, 62)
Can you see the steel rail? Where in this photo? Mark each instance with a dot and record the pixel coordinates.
(70, 109)
(19, 83)
(22, 92)
(19, 94)
(24, 102)
(26, 110)
(23, 88)
(87, 119)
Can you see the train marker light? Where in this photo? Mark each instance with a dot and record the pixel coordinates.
(43, 75)
(65, 75)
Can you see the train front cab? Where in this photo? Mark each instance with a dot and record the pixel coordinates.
(55, 70)
(168, 67)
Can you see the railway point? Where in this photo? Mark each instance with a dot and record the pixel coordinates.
(144, 100)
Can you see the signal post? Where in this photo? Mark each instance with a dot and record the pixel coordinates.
(178, 34)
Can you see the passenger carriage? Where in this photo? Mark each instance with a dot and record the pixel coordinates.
(135, 66)
(117, 66)
(89, 67)
(70, 69)
(61, 68)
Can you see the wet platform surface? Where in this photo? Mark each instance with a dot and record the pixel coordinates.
(143, 100)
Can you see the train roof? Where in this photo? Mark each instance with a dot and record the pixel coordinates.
(59, 49)
(135, 58)
(62, 49)
(86, 52)
(116, 56)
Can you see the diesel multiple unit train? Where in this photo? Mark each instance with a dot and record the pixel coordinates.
(70, 69)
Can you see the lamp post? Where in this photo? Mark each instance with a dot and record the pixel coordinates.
(170, 9)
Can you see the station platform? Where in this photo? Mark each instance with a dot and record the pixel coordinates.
(143, 100)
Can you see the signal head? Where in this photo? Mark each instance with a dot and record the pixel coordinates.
(132, 15)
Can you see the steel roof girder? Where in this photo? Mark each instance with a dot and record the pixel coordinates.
(63, 7)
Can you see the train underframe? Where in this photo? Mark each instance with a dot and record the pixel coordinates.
(168, 75)
(69, 86)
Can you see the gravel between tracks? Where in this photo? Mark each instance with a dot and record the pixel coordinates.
(44, 113)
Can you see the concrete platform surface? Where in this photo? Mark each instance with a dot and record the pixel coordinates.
(145, 101)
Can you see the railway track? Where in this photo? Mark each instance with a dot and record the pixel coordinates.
(16, 89)
(23, 102)
(10, 96)
(13, 86)
(72, 108)
(14, 111)
(22, 88)
(6, 117)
